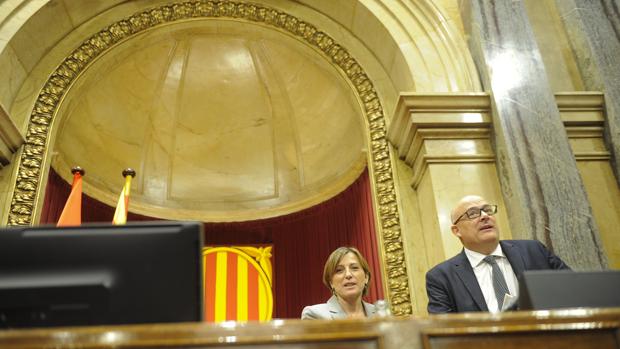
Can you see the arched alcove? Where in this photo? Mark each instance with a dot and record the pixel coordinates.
(223, 120)
(375, 47)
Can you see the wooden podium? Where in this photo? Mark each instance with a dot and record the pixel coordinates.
(571, 328)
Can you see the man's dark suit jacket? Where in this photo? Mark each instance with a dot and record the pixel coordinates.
(452, 285)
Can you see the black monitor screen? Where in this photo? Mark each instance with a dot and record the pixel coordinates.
(554, 289)
(100, 274)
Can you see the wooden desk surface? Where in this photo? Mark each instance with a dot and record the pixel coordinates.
(574, 328)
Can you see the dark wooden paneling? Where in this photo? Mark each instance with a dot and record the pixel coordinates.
(575, 329)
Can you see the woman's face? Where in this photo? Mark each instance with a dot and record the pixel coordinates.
(349, 277)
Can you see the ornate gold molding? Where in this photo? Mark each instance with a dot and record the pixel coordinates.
(30, 167)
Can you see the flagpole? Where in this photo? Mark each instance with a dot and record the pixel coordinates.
(120, 215)
(72, 212)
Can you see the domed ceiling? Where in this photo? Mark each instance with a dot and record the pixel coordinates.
(222, 120)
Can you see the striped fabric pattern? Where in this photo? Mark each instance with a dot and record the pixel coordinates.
(237, 284)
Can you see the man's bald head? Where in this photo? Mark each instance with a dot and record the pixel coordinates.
(478, 233)
(464, 204)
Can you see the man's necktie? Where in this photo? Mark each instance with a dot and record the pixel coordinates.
(499, 283)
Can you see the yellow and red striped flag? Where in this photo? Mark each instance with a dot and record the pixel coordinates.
(122, 206)
(237, 283)
(72, 212)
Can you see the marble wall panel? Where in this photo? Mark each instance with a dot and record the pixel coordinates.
(41, 32)
(451, 14)
(6, 188)
(543, 188)
(555, 49)
(584, 119)
(13, 73)
(13, 14)
(593, 28)
(414, 238)
(10, 138)
(342, 12)
(604, 195)
(82, 11)
(433, 235)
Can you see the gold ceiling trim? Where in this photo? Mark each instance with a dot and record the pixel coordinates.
(30, 169)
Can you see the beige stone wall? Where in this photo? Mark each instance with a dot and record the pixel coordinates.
(583, 116)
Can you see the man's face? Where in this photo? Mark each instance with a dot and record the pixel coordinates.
(476, 232)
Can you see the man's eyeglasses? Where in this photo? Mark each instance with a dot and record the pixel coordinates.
(475, 212)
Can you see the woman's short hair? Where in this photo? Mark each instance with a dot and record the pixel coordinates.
(332, 263)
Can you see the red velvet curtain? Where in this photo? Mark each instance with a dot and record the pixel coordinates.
(301, 241)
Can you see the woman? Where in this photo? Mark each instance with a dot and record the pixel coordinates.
(346, 274)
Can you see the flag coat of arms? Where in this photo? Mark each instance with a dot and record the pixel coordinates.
(238, 283)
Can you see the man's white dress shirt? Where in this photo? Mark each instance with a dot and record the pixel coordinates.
(484, 272)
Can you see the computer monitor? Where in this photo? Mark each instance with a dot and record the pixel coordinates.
(554, 289)
(101, 274)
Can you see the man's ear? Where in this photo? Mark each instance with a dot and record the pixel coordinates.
(456, 231)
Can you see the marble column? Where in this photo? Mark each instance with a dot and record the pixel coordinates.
(593, 27)
(540, 181)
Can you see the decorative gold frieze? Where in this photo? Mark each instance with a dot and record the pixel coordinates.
(45, 108)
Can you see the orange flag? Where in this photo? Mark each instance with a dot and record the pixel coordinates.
(120, 215)
(72, 213)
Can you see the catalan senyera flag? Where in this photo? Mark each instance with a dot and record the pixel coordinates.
(72, 212)
(238, 283)
(122, 206)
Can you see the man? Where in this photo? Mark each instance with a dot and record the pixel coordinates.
(478, 278)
